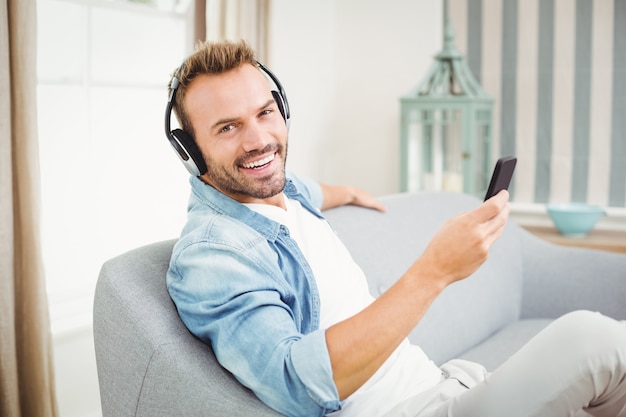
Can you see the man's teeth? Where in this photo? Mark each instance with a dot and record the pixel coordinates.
(260, 162)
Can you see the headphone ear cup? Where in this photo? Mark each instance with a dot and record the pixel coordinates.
(188, 151)
(280, 103)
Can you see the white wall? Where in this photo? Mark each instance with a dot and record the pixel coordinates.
(344, 65)
(76, 377)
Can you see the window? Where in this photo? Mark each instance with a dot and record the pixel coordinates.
(109, 180)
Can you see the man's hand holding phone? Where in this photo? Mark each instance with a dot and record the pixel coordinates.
(463, 242)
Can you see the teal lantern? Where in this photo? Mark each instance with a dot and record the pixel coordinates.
(446, 127)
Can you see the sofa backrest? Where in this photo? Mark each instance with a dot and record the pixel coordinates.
(467, 312)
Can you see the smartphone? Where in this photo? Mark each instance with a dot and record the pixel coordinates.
(502, 174)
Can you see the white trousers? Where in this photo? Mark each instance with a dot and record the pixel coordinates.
(576, 366)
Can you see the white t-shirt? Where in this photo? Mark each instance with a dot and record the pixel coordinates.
(343, 293)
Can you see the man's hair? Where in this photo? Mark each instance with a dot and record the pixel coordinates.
(208, 58)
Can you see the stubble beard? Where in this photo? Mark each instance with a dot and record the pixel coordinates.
(232, 182)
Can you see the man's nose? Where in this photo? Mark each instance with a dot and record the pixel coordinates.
(254, 137)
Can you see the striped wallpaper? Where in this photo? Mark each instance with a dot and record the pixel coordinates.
(557, 72)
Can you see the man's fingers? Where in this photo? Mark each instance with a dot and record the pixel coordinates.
(495, 225)
(490, 208)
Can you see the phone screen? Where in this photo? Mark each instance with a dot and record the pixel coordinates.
(502, 174)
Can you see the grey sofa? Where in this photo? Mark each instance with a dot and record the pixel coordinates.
(150, 365)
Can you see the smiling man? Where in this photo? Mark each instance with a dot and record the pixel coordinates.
(261, 276)
(240, 133)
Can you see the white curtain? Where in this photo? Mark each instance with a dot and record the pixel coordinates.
(234, 20)
(26, 376)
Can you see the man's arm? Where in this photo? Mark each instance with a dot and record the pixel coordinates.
(340, 195)
(249, 317)
(359, 345)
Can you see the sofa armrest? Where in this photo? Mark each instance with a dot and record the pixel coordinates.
(559, 279)
(149, 364)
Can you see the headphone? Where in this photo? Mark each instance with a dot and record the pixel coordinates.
(184, 144)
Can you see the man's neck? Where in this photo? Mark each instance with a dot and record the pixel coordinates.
(278, 200)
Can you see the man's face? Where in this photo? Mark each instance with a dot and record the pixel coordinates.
(240, 133)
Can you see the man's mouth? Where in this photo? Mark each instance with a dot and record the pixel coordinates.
(260, 163)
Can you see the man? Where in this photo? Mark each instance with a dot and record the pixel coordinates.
(260, 275)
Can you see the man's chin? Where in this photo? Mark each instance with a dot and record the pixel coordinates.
(260, 188)
(268, 190)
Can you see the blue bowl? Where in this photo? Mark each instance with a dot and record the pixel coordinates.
(574, 219)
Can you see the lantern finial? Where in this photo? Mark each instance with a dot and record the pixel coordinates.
(450, 75)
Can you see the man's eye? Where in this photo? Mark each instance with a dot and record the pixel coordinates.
(227, 128)
(266, 112)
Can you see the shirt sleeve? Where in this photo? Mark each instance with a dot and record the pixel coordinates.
(234, 296)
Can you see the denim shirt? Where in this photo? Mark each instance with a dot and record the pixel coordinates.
(241, 284)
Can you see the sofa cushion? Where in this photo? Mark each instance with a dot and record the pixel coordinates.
(467, 312)
(494, 351)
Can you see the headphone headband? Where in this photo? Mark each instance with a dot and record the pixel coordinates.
(184, 144)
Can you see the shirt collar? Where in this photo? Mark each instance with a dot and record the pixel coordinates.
(205, 194)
